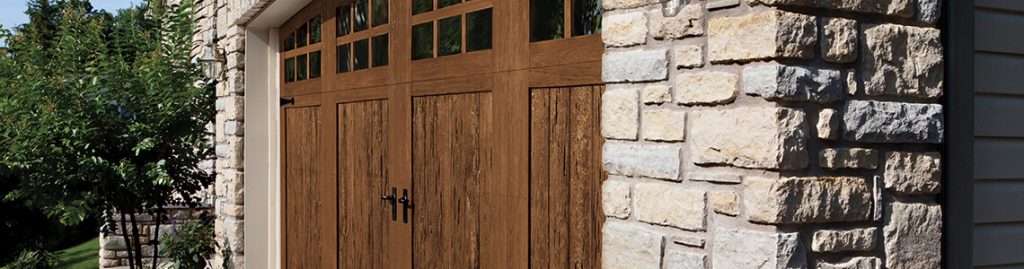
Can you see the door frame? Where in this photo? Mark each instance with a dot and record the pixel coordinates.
(262, 162)
(958, 151)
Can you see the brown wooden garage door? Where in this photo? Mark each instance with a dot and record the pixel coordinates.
(442, 134)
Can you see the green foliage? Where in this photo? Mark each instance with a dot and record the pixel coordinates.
(108, 117)
(34, 259)
(192, 246)
(103, 113)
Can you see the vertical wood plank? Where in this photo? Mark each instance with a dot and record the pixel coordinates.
(303, 204)
(362, 174)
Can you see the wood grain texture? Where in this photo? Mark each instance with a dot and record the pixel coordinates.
(451, 157)
(565, 178)
(362, 177)
(303, 204)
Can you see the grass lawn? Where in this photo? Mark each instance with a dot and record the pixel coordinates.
(83, 256)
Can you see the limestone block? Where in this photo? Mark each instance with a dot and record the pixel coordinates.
(662, 124)
(895, 8)
(681, 259)
(766, 35)
(853, 263)
(793, 83)
(806, 200)
(716, 178)
(771, 138)
(839, 40)
(656, 94)
(913, 235)
(892, 122)
(671, 205)
(928, 11)
(635, 66)
(828, 124)
(615, 198)
(626, 245)
(913, 172)
(688, 22)
(688, 56)
(688, 240)
(838, 240)
(754, 249)
(855, 158)
(620, 109)
(625, 4)
(653, 161)
(725, 202)
(624, 29)
(902, 60)
(705, 88)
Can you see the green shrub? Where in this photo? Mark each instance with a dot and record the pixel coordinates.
(192, 246)
(34, 259)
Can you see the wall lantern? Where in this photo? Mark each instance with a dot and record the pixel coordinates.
(213, 61)
(669, 8)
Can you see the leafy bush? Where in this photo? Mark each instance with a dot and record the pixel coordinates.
(192, 246)
(34, 259)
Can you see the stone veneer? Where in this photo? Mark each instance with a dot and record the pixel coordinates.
(772, 134)
(113, 247)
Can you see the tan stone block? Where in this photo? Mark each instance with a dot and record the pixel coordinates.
(839, 40)
(913, 172)
(615, 198)
(706, 88)
(771, 138)
(840, 240)
(688, 22)
(620, 111)
(624, 29)
(688, 56)
(670, 205)
(628, 245)
(725, 202)
(766, 35)
(856, 158)
(828, 124)
(913, 235)
(656, 94)
(661, 124)
(900, 60)
(806, 200)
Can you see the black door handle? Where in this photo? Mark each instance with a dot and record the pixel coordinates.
(406, 204)
(390, 198)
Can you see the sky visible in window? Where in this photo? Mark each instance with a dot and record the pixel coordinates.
(12, 12)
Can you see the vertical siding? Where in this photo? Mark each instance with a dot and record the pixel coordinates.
(999, 134)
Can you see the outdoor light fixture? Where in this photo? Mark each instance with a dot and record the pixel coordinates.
(669, 8)
(213, 61)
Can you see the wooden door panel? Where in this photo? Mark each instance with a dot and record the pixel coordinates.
(304, 202)
(362, 179)
(451, 159)
(565, 178)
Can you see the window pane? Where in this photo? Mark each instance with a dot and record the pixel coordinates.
(445, 3)
(302, 36)
(478, 30)
(420, 6)
(380, 50)
(303, 65)
(344, 20)
(586, 17)
(289, 43)
(314, 30)
(449, 36)
(380, 12)
(361, 16)
(289, 70)
(362, 54)
(344, 58)
(547, 19)
(423, 41)
(314, 64)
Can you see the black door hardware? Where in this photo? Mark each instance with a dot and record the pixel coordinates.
(406, 205)
(390, 198)
(287, 101)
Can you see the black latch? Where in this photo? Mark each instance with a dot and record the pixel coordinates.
(287, 101)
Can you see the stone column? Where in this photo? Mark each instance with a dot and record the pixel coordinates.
(772, 134)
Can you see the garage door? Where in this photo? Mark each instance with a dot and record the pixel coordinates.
(441, 134)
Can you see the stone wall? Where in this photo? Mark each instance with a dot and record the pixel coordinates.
(113, 247)
(772, 134)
